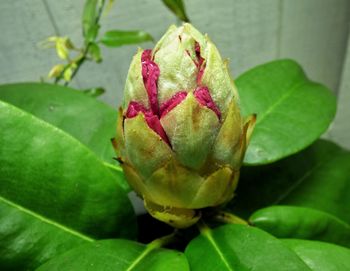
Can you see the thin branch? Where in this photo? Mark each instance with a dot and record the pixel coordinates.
(163, 241)
(84, 56)
(229, 218)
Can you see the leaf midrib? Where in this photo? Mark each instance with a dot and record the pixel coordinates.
(64, 134)
(208, 235)
(144, 253)
(279, 101)
(46, 220)
(53, 128)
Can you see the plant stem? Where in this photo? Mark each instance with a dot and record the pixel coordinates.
(163, 241)
(227, 217)
(85, 51)
(203, 228)
(79, 63)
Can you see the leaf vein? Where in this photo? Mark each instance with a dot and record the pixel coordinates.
(46, 220)
(140, 258)
(279, 101)
(207, 234)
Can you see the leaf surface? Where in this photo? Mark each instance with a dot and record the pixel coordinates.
(28, 239)
(302, 223)
(178, 8)
(52, 174)
(89, 20)
(118, 254)
(292, 111)
(320, 256)
(87, 119)
(116, 38)
(318, 178)
(240, 248)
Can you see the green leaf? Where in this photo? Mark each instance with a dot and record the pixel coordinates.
(119, 176)
(94, 92)
(240, 247)
(89, 17)
(317, 177)
(118, 255)
(116, 38)
(95, 52)
(90, 121)
(67, 74)
(56, 71)
(321, 256)
(302, 223)
(92, 34)
(70, 111)
(178, 8)
(50, 173)
(28, 239)
(292, 111)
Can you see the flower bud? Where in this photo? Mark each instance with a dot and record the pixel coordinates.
(181, 138)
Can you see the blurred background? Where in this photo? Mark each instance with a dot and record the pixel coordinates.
(315, 33)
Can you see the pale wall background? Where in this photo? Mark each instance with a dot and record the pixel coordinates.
(249, 32)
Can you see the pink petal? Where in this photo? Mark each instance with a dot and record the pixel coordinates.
(200, 64)
(152, 120)
(134, 108)
(154, 123)
(204, 98)
(150, 74)
(200, 59)
(200, 74)
(168, 105)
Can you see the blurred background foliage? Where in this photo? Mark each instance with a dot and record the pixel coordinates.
(314, 33)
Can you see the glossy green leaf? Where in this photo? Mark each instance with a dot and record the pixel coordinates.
(50, 173)
(121, 255)
(292, 111)
(116, 38)
(178, 8)
(89, 18)
(27, 239)
(87, 119)
(119, 175)
(240, 248)
(94, 92)
(302, 223)
(318, 177)
(321, 256)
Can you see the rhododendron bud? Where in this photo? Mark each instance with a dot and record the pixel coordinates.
(181, 138)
